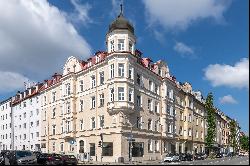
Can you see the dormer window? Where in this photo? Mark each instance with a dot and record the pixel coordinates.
(89, 63)
(97, 59)
(112, 46)
(121, 45)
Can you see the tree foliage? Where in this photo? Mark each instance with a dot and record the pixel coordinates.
(211, 121)
(244, 142)
(233, 134)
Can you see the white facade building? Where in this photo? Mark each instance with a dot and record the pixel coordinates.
(27, 120)
(5, 125)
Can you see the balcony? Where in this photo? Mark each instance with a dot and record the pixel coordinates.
(68, 135)
(116, 106)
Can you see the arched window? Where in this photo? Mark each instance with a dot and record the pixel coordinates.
(81, 143)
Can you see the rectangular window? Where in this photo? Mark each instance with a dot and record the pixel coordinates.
(112, 46)
(93, 122)
(197, 121)
(112, 71)
(138, 149)
(53, 129)
(138, 101)
(130, 95)
(81, 105)
(130, 72)
(93, 102)
(149, 124)
(102, 121)
(151, 86)
(81, 85)
(120, 93)
(92, 149)
(102, 100)
(121, 45)
(81, 124)
(156, 107)
(112, 94)
(107, 149)
(156, 89)
(101, 78)
(68, 107)
(138, 79)
(53, 97)
(121, 69)
(150, 104)
(67, 89)
(93, 81)
(130, 46)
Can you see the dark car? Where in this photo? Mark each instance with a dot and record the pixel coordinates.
(21, 157)
(198, 156)
(219, 155)
(186, 157)
(69, 160)
(48, 159)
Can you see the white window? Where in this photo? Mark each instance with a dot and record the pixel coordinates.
(93, 102)
(61, 146)
(150, 104)
(130, 95)
(190, 118)
(112, 71)
(101, 77)
(81, 85)
(112, 94)
(53, 97)
(67, 89)
(150, 145)
(196, 134)
(68, 107)
(81, 124)
(102, 100)
(182, 116)
(93, 122)
(130, 72)
(97, 59)
(120, 93)
(156, 107)
(197, 121)
(112, 46)
(54, 113)
(201, 123)
(202, 135)
(53, 129)
(157, 146)
(130, 46)
(189, 132)
(93, 81)
(101, 121)
(67, 126)
(121, 69)
(121, 45)
(54, 146)
(151, 86)
(31, 113)
(81, 105)
(156, 89)
(138, 101)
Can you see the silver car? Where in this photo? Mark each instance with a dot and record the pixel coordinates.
(171, 157)
(22, 157)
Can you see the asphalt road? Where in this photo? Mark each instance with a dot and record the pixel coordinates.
(239, 160)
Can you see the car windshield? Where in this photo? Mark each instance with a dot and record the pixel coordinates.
(20, 154)
(57, 155)
(170, 155)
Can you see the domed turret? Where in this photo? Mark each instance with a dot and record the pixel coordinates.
(120, 36)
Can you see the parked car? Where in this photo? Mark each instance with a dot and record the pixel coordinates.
(186, 157)
(171, 157)
(69, 160)
(219, 155)
(21, 157)
(2, 160)
(49, 159)
(204, 155)
(198, 156)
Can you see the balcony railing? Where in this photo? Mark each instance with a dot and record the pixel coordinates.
(117, 106)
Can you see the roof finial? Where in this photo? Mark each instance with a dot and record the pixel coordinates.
(121, 9)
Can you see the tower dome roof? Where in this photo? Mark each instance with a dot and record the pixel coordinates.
(121, 23)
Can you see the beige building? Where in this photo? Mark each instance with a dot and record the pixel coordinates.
(119, 95)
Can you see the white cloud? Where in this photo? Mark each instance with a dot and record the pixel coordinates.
(80, 15)
(36, 39)
(10, 81)
(180, 14)
(232, 76)
(227, 99)
(183, 49)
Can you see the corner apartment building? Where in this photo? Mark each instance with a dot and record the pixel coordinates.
(118, 94)
(5, 125)
(27, 119)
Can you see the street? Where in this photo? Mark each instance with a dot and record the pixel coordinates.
(218, 161)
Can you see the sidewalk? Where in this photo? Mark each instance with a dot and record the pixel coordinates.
(116, 163)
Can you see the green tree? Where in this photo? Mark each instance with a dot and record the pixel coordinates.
(244, 142)
(233, 134)
(211, 122)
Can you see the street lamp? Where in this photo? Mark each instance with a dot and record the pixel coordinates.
(131, 140)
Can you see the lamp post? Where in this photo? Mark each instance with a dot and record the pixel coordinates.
(131, 140)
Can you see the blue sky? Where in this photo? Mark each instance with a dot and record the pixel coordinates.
(203, 42)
